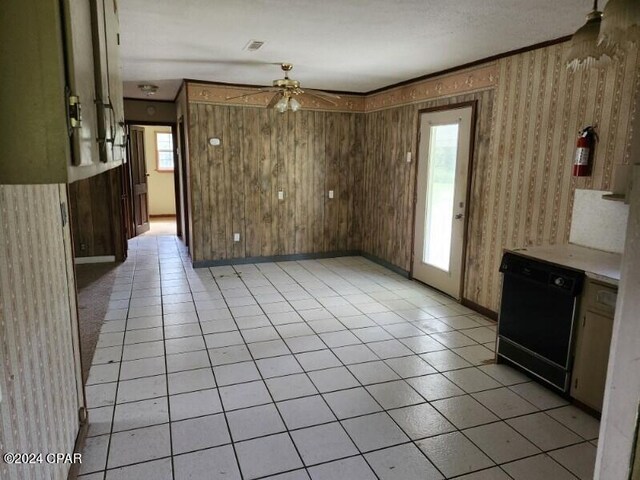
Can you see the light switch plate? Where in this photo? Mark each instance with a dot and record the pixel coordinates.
(408, 157)
(280, 195)
(330, 193)
(236, 237)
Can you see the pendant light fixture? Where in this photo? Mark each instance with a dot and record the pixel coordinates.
(584, 49)
(620, 27)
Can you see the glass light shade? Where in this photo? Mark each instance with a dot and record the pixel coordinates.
(282, 104)
(294, 105)
(584, 51)
(620, 24)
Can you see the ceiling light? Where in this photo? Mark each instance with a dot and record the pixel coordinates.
(282, 104)
(620, 24)
(148, 89)
(294, 105)
(584, 51)
(287, 102)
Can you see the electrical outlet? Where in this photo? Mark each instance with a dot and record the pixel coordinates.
(236, 237)
(408, 157)
(280, 195)
(330, 193)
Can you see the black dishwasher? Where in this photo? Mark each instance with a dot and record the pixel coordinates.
(537, 315)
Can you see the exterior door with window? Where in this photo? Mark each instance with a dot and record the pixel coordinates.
(441, 189)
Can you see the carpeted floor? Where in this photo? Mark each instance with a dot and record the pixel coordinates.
(94, 283)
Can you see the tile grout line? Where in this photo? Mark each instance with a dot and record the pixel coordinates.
(361, 385)
(310, 380)
(115, 398)
(500, 420)
(261, 376)
(386, 410)
(215, 380)
(340, 421)
(166, 366)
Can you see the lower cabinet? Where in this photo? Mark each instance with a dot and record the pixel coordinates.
(591, 355)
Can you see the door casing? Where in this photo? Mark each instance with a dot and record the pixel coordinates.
(181, 204)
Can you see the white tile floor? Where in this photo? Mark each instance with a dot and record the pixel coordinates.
(326, 369)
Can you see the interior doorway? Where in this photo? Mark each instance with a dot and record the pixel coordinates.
(152, 175)
(442, 184)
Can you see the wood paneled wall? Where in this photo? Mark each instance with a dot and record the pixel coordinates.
(522, 188)
(96, 219)
(235, 185)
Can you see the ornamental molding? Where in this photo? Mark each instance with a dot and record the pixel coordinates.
(458, 83)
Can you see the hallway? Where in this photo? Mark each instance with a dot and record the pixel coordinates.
(326, 369)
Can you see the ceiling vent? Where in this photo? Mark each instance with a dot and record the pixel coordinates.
(253, 45)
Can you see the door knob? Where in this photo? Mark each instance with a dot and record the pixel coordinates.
(459, 216)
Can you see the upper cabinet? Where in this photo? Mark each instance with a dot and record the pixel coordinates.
(62, 108)
(106, 46)
(94, 78)
(81, 89)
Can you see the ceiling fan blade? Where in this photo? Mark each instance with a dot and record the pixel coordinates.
(262, 90)
(320, 97)
(274, 100)
(320, 93)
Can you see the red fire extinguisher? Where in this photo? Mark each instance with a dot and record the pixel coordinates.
(584, 152)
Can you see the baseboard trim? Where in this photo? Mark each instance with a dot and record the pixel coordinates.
(384, 263)
(274, 258)
(480, 309)
(96, 259)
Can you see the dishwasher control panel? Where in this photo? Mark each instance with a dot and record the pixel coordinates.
(563, 279)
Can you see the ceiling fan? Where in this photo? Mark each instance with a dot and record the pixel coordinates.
(286, 89)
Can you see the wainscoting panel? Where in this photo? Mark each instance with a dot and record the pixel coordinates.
(95, 211)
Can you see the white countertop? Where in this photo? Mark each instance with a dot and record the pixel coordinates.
(596, 264)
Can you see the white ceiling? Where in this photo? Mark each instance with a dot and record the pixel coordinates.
(357, 45)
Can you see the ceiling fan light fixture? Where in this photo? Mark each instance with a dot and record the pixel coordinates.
(294, 105)
(620, 27)
(282, 105)
(584, 50)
